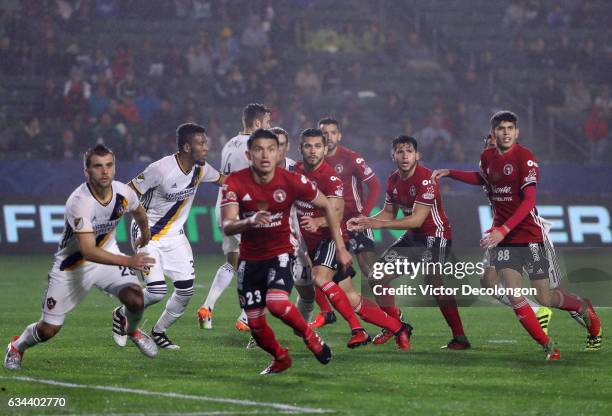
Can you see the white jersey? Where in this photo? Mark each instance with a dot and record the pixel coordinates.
(86, 214)
(233, 154)
(168, 192)
(289, 164)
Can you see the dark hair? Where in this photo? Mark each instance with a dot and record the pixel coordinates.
(505, 115)
(261, 134)
(403, 139)
(329, 120)
(97, 150)
(279, 130)
(252, 112)
(313, 133)
(185, 132)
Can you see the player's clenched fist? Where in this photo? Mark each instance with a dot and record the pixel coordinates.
(140, 261)
(353, 224)
(260, 217)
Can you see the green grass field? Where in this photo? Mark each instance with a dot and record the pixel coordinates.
(213, 374)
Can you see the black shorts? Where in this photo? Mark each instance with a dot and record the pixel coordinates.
(418, 248)
(256, 277)
(325, 255)
(530, 257)
(361, 241)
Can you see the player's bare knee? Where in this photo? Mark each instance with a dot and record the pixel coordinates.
(46, 331)
(132, 298)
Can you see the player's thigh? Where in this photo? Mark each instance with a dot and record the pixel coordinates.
(65, 290)
(177, 259)
(113, 279)
(155, 272)
(251, 283)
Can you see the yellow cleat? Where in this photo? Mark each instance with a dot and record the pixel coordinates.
(544, 316)
(205, 317)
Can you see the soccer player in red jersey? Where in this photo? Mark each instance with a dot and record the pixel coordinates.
(354, 172)
(334, 283)
(411, 189)
(256, 203)
(516, 240)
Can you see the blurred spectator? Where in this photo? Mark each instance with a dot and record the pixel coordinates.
(99, 68)
(538, 54)
(254, 35)
(76, 95)
(349, 42)
(122, 62)
(373, 38)
(30, 141)
(414, 49)
(128, 110)
(67, 148)
(148, 103)
(175, 63)
(549, 97)
(307, 81)
(199, 60)
(558, 17)
(99, 101)
(564, 55)
(127, 86)
(106, 131)
(106, 9)
(52, 100)
(231, 86)
(577, 98)
(597, 134)
(435, 138)
(52, 63)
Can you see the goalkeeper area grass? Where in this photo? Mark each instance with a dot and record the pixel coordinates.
(505, 372)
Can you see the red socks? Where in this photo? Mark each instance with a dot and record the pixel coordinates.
(338, 298)
(322, 301)
(530, 322)
(262, 333)
(278, 303)
(569, 301)
(370, 312)
(448, 307)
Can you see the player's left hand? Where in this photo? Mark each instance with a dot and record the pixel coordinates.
(367, 222)
(309, 224)
(353, 224)
(492, 238)
(344, 259)
(145, 237)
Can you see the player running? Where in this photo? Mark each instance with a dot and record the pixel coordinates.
(517, 239)
(88, 256)
(354, 173)
(411, 189)
(233, 158)
(332, 281)
(167, 189)
(257, 204)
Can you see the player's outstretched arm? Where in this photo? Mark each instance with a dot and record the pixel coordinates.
(415, 220)
(331, 216)
(472, 178)
(140, 216)
(233, 225)
(388, 213)
(91, 252)
(373, 191)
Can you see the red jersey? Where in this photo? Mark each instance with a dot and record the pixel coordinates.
(419, 189)
(329, 185)
(263, 242)
(506, 176)
(353, 170)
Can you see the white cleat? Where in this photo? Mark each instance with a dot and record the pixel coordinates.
(144, 343)
(205, 316)
(12, 358)
(119, 327)
(162, 341)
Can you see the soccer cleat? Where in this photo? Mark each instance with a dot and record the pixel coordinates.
(280, 364)
(145, 344)
(458, 343)
(359, 337)
(544, 316)
(552, 352)
(402, 337)
(593, 343)
(320, 349)
(162, 341)
(382, 337)
(205, 315)
(242, 326)
(12, 358)
(252, 344)
(322, 319)
(119, 327)
(592, 321)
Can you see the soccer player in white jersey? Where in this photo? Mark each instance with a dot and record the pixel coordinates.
(167, 188)
(88, 256)
(233, 158)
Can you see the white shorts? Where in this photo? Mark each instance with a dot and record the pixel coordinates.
(173, 258)
(66, 289)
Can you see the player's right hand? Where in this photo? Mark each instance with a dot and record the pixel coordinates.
(140, 261)
(353, 225)
(344, 259)
(260, 218)
(439, 173)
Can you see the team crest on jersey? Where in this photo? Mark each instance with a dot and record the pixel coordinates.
(78, 223)
(412, 191)
(51, 303)
(338, 168)
(139, 178)
(279, 195)
(508, 169)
